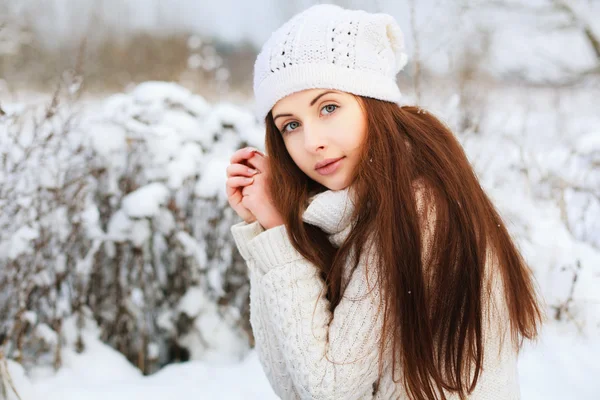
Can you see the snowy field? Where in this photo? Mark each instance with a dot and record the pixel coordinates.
(536, 152)
(562, 366)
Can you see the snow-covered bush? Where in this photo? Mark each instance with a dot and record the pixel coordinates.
(164, 210)
(539, 160)
(119, 217)
(44, 192)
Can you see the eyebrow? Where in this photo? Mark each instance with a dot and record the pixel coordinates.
(311, 104)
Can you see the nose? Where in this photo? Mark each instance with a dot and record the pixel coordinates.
(315, 138)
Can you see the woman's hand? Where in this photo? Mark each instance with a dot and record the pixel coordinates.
(256, 197)
(240, 175)
(248, 191)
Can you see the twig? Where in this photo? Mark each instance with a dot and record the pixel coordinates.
(6, 374)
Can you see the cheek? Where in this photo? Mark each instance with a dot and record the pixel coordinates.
(360, 133)
(299, 158)
(353, 138)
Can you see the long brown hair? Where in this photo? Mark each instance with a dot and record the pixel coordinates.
(434, 311)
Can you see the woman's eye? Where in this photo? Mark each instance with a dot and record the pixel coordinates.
(289, 124)
(330, 108)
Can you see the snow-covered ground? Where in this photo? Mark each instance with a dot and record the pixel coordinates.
(536, 152)
(561, 366)
(102, 373)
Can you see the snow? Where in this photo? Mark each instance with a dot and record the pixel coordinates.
(146, 201)
(109, 141)
(155, 92)
(193, 302)
(20, 243)
(119, 226)
(192, 248)
(100, 373)
(588, 143)
(153, 351)
(46, 334)
(560, 366)
(30, 317)
(140, 232)
(212, 182)
(213, 339)
(165, 222)
(536, 151)
(184, 166)
(542, 180)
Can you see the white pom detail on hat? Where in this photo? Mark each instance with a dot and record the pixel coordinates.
(330, 47)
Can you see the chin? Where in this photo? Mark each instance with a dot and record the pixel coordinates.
(336, 184)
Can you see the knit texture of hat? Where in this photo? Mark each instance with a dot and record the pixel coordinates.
(330, 47)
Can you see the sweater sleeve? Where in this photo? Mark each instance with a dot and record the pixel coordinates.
(265, 341)
(242, 233)
(330, 355)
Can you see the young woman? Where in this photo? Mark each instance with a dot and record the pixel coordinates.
(379, 268)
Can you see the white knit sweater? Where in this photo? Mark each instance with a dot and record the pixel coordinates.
(306, 351)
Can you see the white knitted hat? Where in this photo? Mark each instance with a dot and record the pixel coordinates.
(329, 47)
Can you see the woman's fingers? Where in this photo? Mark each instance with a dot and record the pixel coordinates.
(244, 154)
(240, 176)
(235, 182)
(240, 169)
(245, 191)
(259, 162)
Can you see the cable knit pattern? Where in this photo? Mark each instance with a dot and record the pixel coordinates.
(327, 46)
(307, 351)
(273, 363)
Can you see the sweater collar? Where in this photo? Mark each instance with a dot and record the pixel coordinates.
(330, 210)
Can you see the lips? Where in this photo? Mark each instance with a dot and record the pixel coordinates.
(329, 166)
(326, 162)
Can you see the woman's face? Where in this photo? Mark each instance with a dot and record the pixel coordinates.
(322, 126)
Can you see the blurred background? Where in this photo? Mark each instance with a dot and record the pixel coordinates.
(118, 273)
